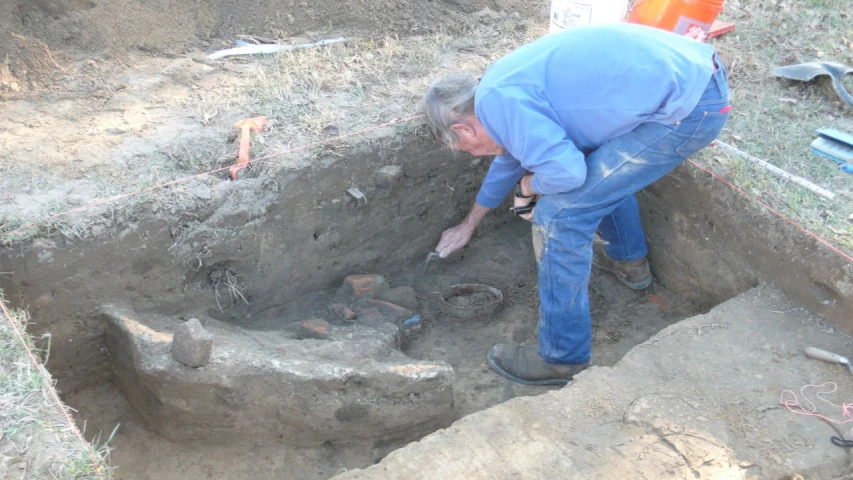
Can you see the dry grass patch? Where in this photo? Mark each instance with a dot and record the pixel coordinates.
(775, 119)
(314, 94)
(311, 97)
(36, 441)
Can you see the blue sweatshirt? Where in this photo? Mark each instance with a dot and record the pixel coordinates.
(553, 101)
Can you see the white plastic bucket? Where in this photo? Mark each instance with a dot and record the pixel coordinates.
(572, 13)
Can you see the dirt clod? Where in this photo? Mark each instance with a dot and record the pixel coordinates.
(343, 311)
(387, 178)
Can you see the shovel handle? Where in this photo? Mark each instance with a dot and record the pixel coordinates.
(826, 356)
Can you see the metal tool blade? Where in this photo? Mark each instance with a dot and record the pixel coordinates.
(429, 258)
(830, 357)
(806, 72)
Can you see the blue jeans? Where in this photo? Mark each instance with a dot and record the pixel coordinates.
(564, 225)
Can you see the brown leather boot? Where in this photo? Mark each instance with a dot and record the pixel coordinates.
(524, 365)
(634, 275)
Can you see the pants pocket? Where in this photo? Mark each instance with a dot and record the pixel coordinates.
(708, 128)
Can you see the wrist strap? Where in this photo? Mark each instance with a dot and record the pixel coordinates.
(518, 193)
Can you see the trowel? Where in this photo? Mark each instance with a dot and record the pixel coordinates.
(453, 257)
(806, 72)
(830, 357)
(429, 258)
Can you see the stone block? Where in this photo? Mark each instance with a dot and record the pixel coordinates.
(315, 328)
(361, 287)
(191, 344)
(402, 296)
(297, 393)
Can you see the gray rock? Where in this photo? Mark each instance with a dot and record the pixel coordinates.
(387, 178)
(191, 344)
(295, 392)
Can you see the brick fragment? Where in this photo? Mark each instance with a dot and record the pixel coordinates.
(364, 286)
(315, 328)
(191, 344)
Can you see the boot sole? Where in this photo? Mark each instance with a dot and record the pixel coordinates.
(509, 376)
(638, 285)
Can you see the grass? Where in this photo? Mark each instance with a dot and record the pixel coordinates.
(35, 439)
(775, 119)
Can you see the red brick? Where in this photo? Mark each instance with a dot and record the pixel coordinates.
(314, 328)
(364, 286)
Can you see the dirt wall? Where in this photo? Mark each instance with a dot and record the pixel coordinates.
(709, 243)
(278, 238)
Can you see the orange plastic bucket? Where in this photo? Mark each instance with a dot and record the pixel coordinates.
(691, 18)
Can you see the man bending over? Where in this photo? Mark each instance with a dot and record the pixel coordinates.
(580, 120)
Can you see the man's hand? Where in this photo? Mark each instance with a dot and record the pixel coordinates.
(527, 196)
(457, 237)
(454, 238)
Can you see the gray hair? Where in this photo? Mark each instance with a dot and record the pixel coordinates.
(447, 101)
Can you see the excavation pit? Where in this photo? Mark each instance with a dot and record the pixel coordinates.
(331, 348)
(262, 261)
(259, 262)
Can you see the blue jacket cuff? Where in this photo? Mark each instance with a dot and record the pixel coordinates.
(489, 201)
